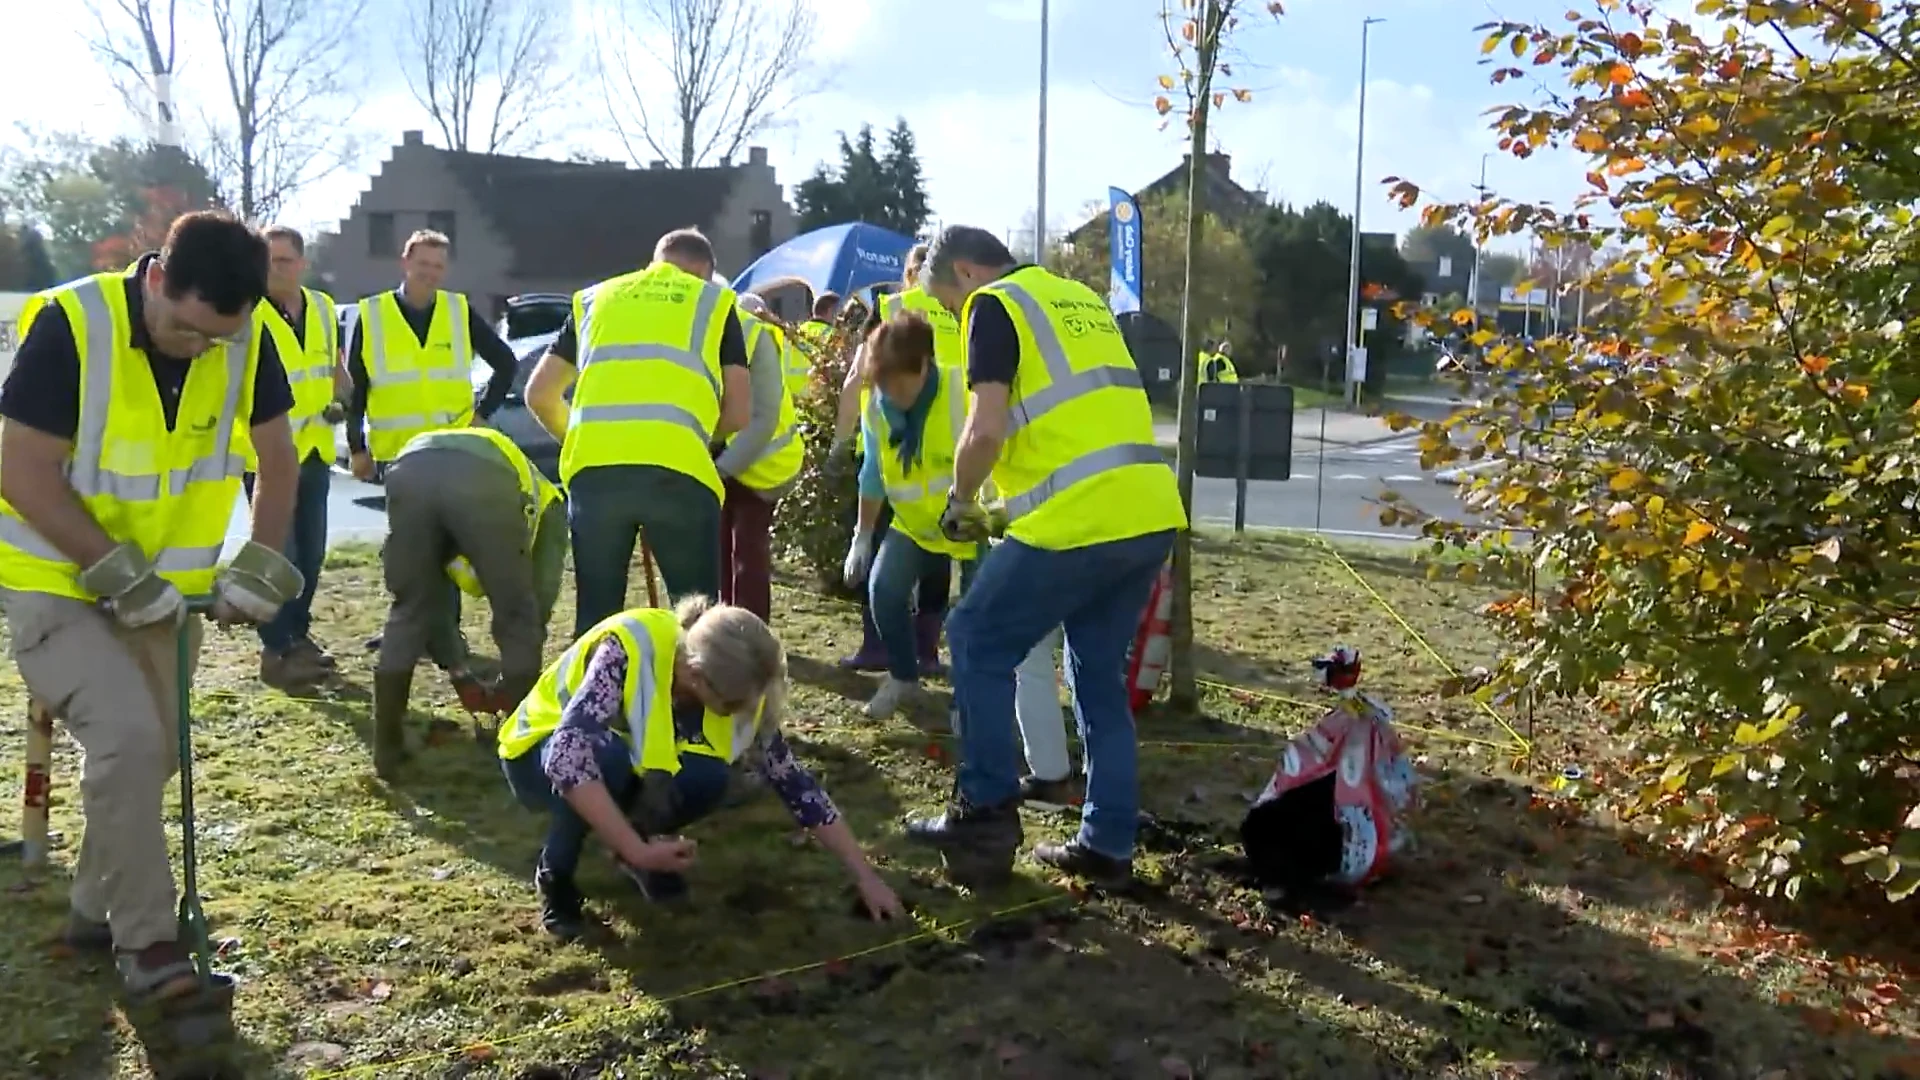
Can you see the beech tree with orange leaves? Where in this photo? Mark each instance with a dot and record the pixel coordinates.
(1197, 32)
(1731, 513)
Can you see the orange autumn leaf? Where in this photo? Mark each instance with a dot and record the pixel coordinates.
(1620, 75)
(1815, 365)
(1853, 393)
(1730, 67)
(1590, 141)
(1635, 99)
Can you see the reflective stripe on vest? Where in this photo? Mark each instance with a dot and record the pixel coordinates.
(536, 494)
(309, 361)
(650, 637)
(918, 494)
(784, 455)
(1116, 435)
(633, 331)
(408, 391)
(134, 476)
(948, 348)
(795, 366)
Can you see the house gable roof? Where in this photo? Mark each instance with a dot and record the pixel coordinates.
(575, 220)
(1225, 197)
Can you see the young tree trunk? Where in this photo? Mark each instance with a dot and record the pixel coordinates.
(1185, 691)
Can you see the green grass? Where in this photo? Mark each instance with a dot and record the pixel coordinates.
(393, 930)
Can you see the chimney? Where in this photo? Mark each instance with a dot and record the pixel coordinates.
(657, 163)
(756, 155)
(1221, 161)
(413, 138)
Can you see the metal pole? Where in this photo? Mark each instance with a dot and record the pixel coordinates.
(1243, 454)
(1473, 279)
(1040, 207)
(1359, 169)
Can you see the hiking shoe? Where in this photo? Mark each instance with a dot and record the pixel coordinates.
(1077, 859)
(893, 696)
(159, 973)
(977, 843)
(310, 650)
(289, 669)
(562, 908)
(83, 934)
(1062, 794)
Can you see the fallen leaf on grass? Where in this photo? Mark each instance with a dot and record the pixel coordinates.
(1176, 1068)
(480, 1053)
(380, 991)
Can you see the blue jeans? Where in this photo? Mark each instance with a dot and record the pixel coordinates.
(899, 570)
(1018, 596)
(699, 787)
(306, 550)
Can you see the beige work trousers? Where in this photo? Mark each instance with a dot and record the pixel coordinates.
(78, 662)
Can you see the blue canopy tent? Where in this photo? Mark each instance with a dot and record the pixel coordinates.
(844, 259)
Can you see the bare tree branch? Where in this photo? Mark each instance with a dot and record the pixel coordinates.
(288, 66)
(488, 72)
(135, 42)
(737, 66)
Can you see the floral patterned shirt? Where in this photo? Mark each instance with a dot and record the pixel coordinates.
(594, 715)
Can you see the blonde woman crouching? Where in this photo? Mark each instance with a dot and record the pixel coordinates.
(631, 735)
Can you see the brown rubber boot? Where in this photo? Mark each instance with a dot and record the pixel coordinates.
(390, 691)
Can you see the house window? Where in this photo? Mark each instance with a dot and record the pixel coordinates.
(380, 242)
(441, 221)
(760, 237)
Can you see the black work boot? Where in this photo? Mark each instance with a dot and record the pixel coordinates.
(562, 908)
(184, 1025)
(1077, 859)
(390, 691)
(977, 843)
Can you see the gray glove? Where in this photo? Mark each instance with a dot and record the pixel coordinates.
(335, 412)
(135, 594)
(255, 584)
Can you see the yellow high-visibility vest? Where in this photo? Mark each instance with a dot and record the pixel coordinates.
(415, 386)
(536, 494)
(170, 492)
(650, 638)
(949, 349)
(1227, 372)
(814, 336)
(785, 454)
(796, 368)
(309, 360)
(1079, 466)
(650, 384)
(918, 494)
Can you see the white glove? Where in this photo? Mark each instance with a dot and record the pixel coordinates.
(859, 559)
(253, 587)
(135, 595)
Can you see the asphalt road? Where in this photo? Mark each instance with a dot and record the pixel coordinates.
(1335, 486)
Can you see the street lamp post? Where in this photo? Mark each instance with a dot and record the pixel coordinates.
(1473, 279)
(1353, 270)
(1040, 207)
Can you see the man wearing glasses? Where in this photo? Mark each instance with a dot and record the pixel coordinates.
(121, 455)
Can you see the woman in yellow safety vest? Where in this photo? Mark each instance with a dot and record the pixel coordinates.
(632, 734)
(915, 411)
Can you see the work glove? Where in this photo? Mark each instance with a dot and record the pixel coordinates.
(964, 520)
(335, 412)
(134, 594)
(254, 585)
(859, 559)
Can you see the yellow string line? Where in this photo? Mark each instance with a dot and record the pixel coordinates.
(1520, 742)
(930, 931)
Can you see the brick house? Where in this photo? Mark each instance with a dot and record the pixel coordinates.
(523, 225)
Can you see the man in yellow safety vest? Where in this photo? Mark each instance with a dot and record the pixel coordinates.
(1060, 423)
(472, 493)
(410, 358)
(757, 467)
(657, 360)
(305, 328)
(128, 417)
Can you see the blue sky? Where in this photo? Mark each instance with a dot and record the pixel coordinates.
(968, 86)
